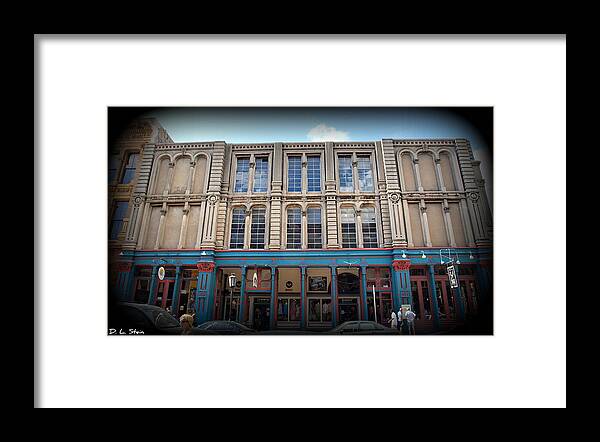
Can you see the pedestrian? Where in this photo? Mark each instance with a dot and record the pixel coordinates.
(393, 321)
(400, 319)
(186, 322)
(410, 321)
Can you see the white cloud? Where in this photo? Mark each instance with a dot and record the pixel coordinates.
(323, 132)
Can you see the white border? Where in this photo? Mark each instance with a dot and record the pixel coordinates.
(523, 365)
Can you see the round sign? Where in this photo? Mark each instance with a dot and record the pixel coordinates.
(161, 273)
(289, 284)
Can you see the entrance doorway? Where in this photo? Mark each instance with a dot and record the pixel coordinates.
(260, 313)
(164, 294)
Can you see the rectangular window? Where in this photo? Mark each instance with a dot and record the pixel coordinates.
(313, 171)
(238, 226)
(346, 180)
(294, 174)
(369, 228)
(365, 174)
(314, 226)
(257, 229)
(348, 228)
(288, 310)
(129, 172)
(261, 174)
(241, 175)
(294, 228)
(319, 310)
(117, 219)
(113, 168)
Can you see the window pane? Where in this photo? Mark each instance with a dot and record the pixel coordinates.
(365, 174)
(261, 174)
(117, 219)
(294, 228)
(294, 174)
(241, 175)
(314, 227)
(130, 168)
(257, 229)
(238, 225)
(113, 168)
(369, 227)
(314, 174)
(346, 182)
(348, 227)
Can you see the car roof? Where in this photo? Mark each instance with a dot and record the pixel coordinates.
(141, 306)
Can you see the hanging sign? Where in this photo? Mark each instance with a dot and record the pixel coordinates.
(255, 280)
(452, 276)
(161, 273)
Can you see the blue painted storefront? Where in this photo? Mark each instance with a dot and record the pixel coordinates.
(208, 262)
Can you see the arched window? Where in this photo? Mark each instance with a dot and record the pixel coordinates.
(315, 228)
(369, 227)
(348, 219)
(238, 226)
(258, 228)
(294, 228)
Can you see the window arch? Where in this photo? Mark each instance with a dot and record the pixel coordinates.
(447, 171)
(369, 227)
(348, 224)
(258, 228)
(238, 228)
(408, 175)
(294, 228)
(427, 171)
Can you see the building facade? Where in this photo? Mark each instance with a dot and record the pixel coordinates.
(316, 233)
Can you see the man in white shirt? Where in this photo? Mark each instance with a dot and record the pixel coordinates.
(410, 321)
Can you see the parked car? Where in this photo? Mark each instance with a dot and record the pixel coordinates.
(129, 318)
(363, 328)
(225, 328)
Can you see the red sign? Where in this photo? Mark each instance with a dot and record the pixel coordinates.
(205, 266)
(399, 265)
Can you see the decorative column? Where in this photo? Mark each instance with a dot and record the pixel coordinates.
(363, 276)
(175, 303)
(124, 274)
(433, 297)
(273, 305)
(417, 172)
(333, 297)
(205, 291)
(242, 296)
(153, 284)
(460, 302)
(439, 175)
(402, 293)
(425, 223)
(303, 296)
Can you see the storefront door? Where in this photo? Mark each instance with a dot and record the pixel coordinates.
(164, 294)
(260, 313)
(348, 309)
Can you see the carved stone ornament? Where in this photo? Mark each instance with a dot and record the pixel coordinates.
(474, 196)
(138, 200)
(423, 208)
(394, 197)
(212, 199)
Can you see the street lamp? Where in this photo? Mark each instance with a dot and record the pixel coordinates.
(231, 280)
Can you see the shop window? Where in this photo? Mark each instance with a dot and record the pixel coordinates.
(258, 228)
(288, 310)
(440, 300)
(187, 294)
(319, 310)
(119, 213)
(426, 299)
(365, 174)
(130, 166)
(142, 285)
(261, 174)
(294, 228)
(314, 227)
(450, 298)
(369, 228)
(318, 280)
(241, 175)
(238, 227)
(294, 174)
(348, 281)
(417, 271)
(345, 172)
(348, 221)
(383, 307)
(378, 277)
(313, 173)
(416, 304)
(348, 309)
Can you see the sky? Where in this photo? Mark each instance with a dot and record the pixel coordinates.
(264, 125)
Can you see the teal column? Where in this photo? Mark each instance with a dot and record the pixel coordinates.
(396, 289)
(333, 297)
(175, 302)
(129, 295)
(433, 297)
(200, 316)
(363, 275)
(242, 296)
(153, 283)
(460, 304)
(211, 284)
(273, 312)
(302, 296)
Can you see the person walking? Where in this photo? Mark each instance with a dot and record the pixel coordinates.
(410, 321)
(400, 320)
(393, 321)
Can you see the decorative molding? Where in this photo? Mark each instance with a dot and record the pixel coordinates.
(205, 267)
(401, 264)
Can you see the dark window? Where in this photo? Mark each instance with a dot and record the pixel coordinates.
(119, 213)
(114, 162)
(129, 172)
